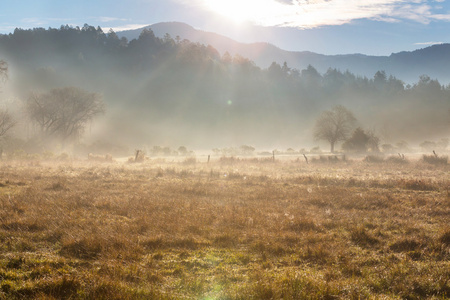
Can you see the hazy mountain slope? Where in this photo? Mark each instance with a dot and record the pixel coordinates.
(407, 66)
(160, 92)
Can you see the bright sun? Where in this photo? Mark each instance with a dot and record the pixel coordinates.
(239, 11)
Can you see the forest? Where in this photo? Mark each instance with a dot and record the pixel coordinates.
(169, 91)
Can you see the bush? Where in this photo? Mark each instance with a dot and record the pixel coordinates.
(363, 238)
(374, 159)
(328, 159)
(63, 157)
(228, 160)
(387, 148)
(86, 248)
(396, 160)
(101, 158)
(362, 141)
(445, 238)
(435, 160)
(189, 161)
(405, 245)
(315, 150)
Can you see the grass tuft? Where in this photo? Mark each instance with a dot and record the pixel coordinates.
(405, 245)
(84, 248)
(303, 225)
(374, 159)
(435, 160)
(397, 160)
(361, 237)
(445, 238)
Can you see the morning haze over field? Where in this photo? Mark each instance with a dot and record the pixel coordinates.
(256, 73)
(208, 149)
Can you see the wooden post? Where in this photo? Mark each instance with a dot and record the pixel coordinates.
(137, 155)
(209, 156)
(273, 155)
(306, 159)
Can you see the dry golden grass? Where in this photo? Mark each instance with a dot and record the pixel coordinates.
(231, 229)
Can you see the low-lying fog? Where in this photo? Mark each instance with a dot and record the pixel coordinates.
(167, 93)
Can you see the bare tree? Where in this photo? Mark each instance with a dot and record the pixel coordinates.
(6, 119)
(64, 113)
(335, 125)
(3, 70)
(6, 122)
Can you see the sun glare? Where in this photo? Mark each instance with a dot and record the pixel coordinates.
(239, 11)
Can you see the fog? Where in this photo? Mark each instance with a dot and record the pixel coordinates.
(162, 92)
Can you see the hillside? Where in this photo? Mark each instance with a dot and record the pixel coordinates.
(407, 66)
(171, 92)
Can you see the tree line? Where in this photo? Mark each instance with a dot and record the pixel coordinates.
(189, 85)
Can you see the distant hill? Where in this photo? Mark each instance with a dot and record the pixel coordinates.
(433, 61)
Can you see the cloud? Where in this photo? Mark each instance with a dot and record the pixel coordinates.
(7, 28)
(287, 2)
(441, 17)
(110, 19)
(316, 13)
(40, 22)
(429, 43)
(128, 27)
(34, 21)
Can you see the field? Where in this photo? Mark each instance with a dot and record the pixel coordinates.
(230, 229)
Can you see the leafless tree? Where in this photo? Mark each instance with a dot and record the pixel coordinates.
(3, 70)
(334, 125)
(64, 113)
(6, 122)
(6, 119)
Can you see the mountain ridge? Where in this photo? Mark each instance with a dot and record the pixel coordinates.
(408, 66)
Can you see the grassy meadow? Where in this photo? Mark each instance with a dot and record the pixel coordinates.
(248, 228)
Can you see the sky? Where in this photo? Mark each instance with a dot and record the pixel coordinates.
(372, 27)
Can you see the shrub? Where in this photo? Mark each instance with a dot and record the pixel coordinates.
(428, 146)
(303, 225)
(396, 160)
(419, 185)
(63, 157)
(357, 142)
(101, 158)
(328, 159)
(361, 237)
(315, 150)
(387, 148)
(374, 159)
(434, 159)
(228, 160)
(190, 161)
(86, 248)
(405, 245)
(61, 288)
(445, 238)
